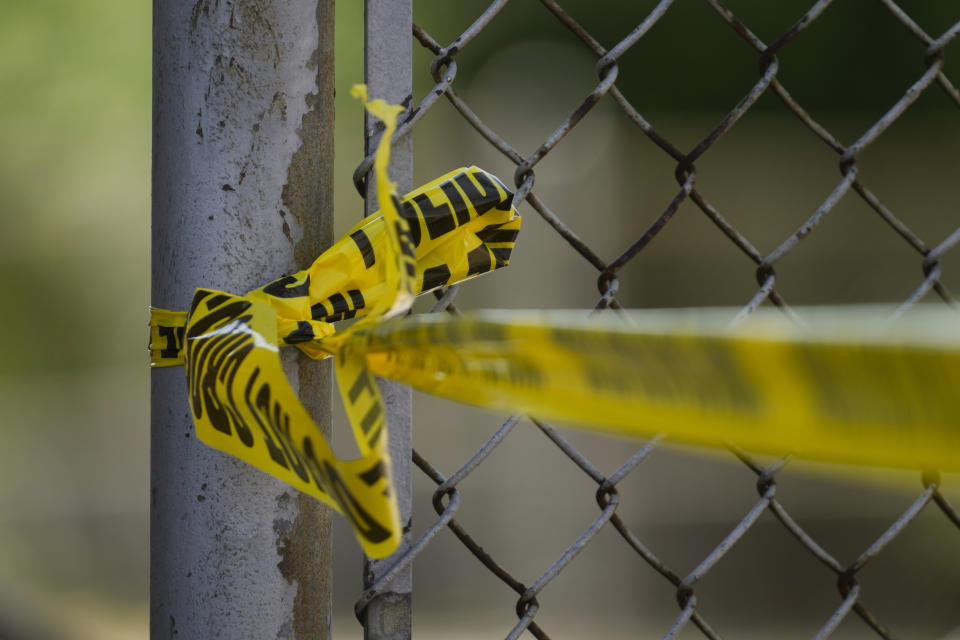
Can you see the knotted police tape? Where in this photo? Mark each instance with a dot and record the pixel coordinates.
(459, 226)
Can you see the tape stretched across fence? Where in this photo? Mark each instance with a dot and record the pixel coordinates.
(881, 397)
(850, 390)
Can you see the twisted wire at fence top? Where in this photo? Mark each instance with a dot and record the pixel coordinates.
(446, 498)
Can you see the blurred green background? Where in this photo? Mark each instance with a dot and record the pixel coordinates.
(74, 275)
(74, 267)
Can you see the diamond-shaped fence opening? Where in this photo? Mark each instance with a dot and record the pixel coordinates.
(688, 154)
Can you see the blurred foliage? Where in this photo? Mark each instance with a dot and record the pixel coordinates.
(74, 181)
(75, 82)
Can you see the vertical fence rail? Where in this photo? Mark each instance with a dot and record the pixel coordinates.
(242, 190)
(388, 72)
(930, 76)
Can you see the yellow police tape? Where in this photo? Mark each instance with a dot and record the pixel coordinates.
(461, 225)
(849, 391)
(243, 405)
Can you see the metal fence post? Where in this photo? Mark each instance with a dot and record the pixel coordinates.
(242, 192)
(388, 69)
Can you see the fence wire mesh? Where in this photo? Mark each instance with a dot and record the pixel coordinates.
(690, 619)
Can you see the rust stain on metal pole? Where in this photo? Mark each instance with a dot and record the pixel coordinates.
(388, 67)
(307, 553)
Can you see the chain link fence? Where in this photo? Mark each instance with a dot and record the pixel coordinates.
(849, 614)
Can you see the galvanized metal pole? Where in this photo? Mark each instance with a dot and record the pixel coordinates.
(388, 68)
(242, 192)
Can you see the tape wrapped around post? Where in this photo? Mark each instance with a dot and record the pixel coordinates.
(243, 405)
(458, 226)
(461, 225)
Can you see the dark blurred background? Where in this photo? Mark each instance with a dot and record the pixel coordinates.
(74, 186)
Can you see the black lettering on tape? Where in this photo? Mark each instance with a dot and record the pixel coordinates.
(374, 473)
(409, 255)
(373, 437)
(872, 370)
(732, 387)
(406, 242)
(223, 420)
(339, 306)
(405, 234)
(371, 418)
(434, 277)
(439, 219)
(478, 260)
(262, 403)
(229, 313)
(281, 288)
(217, 365)
(366, 249)
(278, 423)
(494, 234)
(174, 339)
(363, 523)
(356, 298)
(359, 385)
(309, 461)
(358, 302)
(487, 331)
(217, 300)
(524, 373)
(372, 422)
(336, 307)
(408, 213)
(459, 206)
(482, 201)
(197, 299)
(213, 358)
(319, 312)
(303, 333)
(507, 203)
(502, 256)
